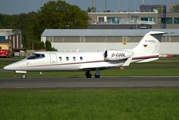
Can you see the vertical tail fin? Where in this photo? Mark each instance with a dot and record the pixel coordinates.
(150, 43)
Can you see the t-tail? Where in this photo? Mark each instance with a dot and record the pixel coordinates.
(148, 48)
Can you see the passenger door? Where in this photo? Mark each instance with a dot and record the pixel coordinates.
(53, 58)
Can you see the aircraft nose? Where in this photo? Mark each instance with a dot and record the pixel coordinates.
(10, 67)
(7, 67)
(15, 66)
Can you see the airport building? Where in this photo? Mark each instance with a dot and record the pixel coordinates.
(102, 39)
(11, 39)
(147, 17)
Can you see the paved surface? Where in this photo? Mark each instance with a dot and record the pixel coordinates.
(89, 83)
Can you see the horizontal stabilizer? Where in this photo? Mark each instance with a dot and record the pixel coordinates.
(148, 60)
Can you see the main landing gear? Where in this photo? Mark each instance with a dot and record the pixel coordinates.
(97, 74)
(88, 74)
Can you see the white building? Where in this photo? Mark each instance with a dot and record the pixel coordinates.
(102, 39)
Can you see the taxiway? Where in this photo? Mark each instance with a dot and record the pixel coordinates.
(86, 83)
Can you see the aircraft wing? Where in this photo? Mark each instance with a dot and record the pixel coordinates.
(128, 61)
(102, 67)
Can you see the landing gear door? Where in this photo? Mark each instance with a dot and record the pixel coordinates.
(53, 58)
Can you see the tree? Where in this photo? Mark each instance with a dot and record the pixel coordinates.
(38, 45)
(59, 15)
(7, 21)
(49, 47)
(176, 8)
(92, 9)
(52, 15)
(24, 22)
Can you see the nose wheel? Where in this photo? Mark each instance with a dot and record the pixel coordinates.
(23, 76)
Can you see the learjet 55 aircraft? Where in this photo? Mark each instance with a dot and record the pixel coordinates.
(147, 50)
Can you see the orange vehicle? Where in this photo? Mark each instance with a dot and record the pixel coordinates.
(4, 53)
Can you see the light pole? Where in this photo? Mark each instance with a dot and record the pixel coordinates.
(135, 18)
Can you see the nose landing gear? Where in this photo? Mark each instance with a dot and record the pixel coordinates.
(23, 76)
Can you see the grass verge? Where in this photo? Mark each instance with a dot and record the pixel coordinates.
(123, 104)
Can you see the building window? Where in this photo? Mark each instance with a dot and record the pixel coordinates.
(67, 58)
(176, 20)
(60, 58)
(168, 20)
(101, 19)
(163, 20)
(113, 20)
(148, 19)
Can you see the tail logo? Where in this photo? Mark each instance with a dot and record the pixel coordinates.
(152, 41)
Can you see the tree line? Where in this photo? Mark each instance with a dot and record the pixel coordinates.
(175, 8)
(52, 15)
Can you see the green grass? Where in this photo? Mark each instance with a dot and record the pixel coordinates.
(156, 64)
(2, 64)
(120, 104)
(173, 58)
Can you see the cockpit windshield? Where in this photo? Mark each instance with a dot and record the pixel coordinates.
(36, 56)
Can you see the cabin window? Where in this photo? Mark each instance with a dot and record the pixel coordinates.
(35, 56)
(81, 58)
(74, 58)
(67, 58)
(31, 57)
(60, 58)
(39, 55)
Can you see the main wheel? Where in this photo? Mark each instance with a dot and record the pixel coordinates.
(23, 76)
(97, 76)
(88, 74)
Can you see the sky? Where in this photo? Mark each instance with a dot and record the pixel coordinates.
(24, 6)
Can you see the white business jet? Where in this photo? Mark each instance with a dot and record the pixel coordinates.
(147, 50)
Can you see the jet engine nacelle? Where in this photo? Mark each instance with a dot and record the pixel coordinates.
(115, 55)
